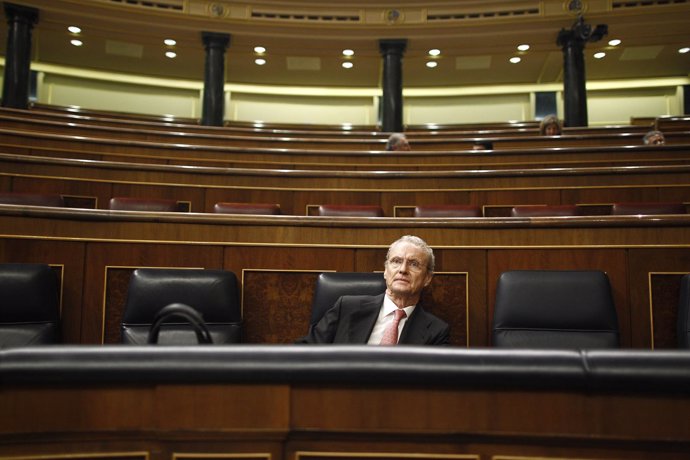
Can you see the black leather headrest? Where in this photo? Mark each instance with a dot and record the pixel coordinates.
(330, 286)
(684, 313)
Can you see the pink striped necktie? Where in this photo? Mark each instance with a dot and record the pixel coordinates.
(390, 335)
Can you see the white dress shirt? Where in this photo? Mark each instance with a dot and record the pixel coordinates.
(386, 316)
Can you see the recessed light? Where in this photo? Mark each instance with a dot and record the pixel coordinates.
(76, 42)
(515, 59)
(614, 42)
(170, 54)
(599, 55)
(260, 61)
(348, 52)
(523, 47)
(170, 42)
(259, 49)
(684, 50)
(347, 65)
(74, 29)
(434, 52)
(431, 64)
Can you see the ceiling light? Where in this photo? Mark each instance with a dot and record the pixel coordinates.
(434, 52)
(599, 55)
(515, 60)
(348, 52)
(171, 54)
(74, 29)
(170, 42)
(259, 49)
(260, 61)
(684, 50)
(614, 42)
(431, 64)
(76, 42)
(523, 47)
(347, 65)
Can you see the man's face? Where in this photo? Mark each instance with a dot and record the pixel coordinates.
(407, 270)
(655, 139)
(551, 130)
(403, 145)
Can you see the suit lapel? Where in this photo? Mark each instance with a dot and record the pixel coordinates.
(415, 329)
(364, 318)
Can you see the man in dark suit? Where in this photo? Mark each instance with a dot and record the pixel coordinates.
(392, 317)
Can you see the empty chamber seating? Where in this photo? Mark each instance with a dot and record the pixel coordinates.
(212, 293)
(120, 203)
(246, 208)
(29, 305)
(448, 210)
(354, 210)
(554, 309)
(647, 208)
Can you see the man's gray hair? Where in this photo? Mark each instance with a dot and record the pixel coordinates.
(421, 244)
(394, 139)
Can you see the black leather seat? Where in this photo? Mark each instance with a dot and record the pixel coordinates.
(331, 285)
(350, 210)
(620, 209)
(684, 313)
(32, 199)
(448, 210)
(247, 208)
(554, 309)
(29, 305)
(545, 210)
(213, 293)
(123, 203)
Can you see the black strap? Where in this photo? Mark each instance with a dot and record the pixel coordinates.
(186, 312)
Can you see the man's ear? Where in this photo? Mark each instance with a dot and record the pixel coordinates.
(428, 279)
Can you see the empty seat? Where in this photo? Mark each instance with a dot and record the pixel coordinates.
(32, 199)
(543, 210)
(331, 285)
(212, 293)
(683, 331)
(554, 309)
(246, 208)
(29, 305)
(448, 210)
(350, 210)
(647, 208)
(120, 203)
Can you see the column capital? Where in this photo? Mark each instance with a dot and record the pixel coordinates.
(27, 13)
(215, 39)
(392, 46)
(581, 33)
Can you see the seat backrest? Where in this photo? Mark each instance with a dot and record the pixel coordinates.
(554, 309)
(619, 209)
(122, 203)
(246, 208)
(545, 210)
(29, 305)
(32, 199)
(448, 210)
(331, 285)
(355, 210)
(684, 313)
(213, 293)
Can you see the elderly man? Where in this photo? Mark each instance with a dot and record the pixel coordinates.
(398, 141)
(394, 316)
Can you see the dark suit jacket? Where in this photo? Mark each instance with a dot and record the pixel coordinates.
(352, 319)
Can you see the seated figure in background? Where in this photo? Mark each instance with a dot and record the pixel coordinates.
(394, 316)
(550, 126)
(654, 137)
(398, 141)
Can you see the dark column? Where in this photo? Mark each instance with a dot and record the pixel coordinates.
(391, 104)
(214, 78)
(574, 89)
(15, 87)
